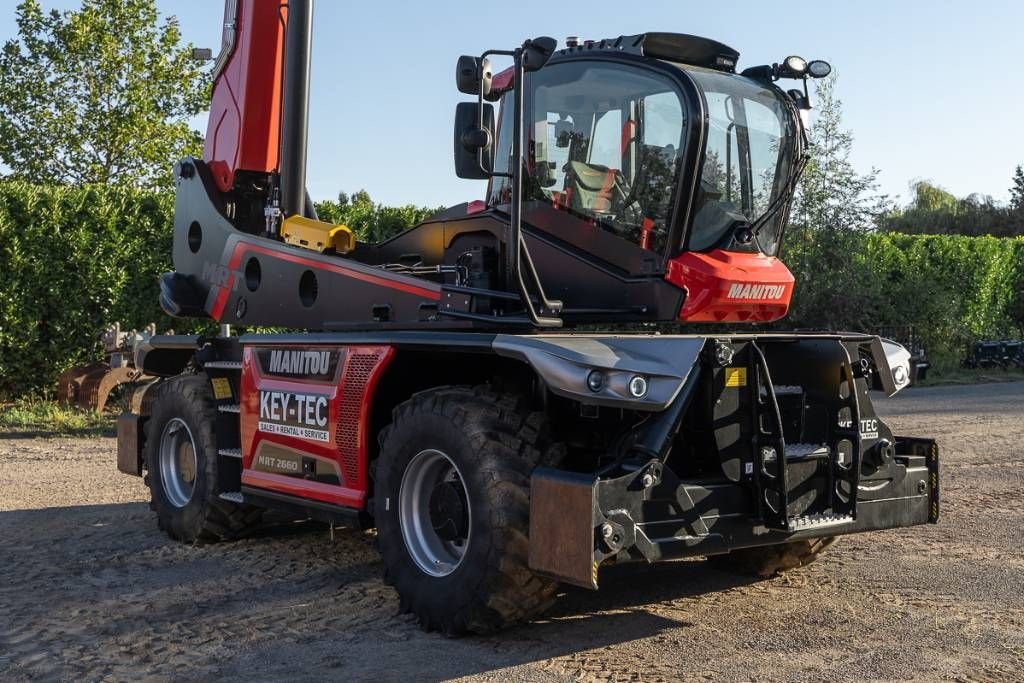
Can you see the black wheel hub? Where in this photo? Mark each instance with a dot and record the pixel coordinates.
(448, 511)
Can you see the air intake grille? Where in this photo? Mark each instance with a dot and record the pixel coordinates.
(360, 367)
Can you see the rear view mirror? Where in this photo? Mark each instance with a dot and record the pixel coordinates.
(471, 139)
(473, 75)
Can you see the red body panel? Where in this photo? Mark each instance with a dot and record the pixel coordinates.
(726, 286)
(276, 443)
(245, 111)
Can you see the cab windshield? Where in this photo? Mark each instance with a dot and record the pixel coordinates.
(603, 145)
(748, 159)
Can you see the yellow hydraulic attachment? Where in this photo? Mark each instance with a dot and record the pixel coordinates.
(316, 235)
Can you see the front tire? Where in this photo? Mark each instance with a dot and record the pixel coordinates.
(451, 505)
(181, 456)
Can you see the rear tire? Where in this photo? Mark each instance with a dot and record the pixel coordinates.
(768, 561)
(451, 505)
(181, 456)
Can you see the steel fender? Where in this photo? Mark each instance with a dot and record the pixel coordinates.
(166, 355)
(893, 363)
(564, 362)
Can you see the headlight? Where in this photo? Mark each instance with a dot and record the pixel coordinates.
(797, 66)
(819, 68)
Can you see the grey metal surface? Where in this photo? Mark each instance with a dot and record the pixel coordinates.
(223, 365)
(895, 371)
(178, 464)
(565, 361)
(428, 470)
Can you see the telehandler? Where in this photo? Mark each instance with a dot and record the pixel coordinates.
(438, 386)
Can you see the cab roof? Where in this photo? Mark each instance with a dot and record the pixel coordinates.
(674, 47)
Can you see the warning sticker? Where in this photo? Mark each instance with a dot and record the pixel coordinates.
(735, 377)
(221, 388)
(300, 415)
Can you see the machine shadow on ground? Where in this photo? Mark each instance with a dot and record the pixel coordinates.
(114, 576)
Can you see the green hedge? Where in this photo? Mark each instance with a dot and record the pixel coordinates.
(952, 289)
(75, 260)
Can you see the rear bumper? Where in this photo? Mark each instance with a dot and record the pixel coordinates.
(578, 521)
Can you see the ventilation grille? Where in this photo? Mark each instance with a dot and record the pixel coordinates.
(359, 369)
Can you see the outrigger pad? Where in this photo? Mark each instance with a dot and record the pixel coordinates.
(562, 526)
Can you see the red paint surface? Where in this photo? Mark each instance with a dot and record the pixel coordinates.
(242, 249)
(709, 278)
(352, 492)
(245, 109)
(502, 81)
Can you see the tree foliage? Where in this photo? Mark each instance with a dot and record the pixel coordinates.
(832, 194)
(72, 262)
(372, 222)
(935, 211)
(1017, 189)
(952, 289)
(103, 94)
(1017, 195)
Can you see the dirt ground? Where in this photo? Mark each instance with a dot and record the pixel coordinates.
(90, 590)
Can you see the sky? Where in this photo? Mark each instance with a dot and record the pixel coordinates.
(931, 90)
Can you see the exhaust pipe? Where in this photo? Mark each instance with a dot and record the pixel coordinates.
(295, 112)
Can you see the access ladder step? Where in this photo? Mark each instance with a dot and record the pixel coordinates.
(796, 452)
(818, 521)
(232, 497)
(223, 365)
(806, 451)
(230, 452)
(230, 408)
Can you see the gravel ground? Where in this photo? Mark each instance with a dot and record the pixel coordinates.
(90, 590)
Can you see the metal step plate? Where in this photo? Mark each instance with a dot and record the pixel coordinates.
(223, 365)
(818, 521)
(230, 452)
(232, 408)
(233, 497)
(806, 451)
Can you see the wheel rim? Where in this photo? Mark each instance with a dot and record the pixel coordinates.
(434, 513)
(178, 462)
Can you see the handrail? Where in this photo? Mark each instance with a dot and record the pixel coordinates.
(229, 38)
(515, 246)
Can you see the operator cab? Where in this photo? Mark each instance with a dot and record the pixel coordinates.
(653, 179)
(608, 132)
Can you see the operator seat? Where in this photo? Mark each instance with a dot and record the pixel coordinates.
(594, 188)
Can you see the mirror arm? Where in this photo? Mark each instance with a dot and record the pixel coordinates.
(480, 117)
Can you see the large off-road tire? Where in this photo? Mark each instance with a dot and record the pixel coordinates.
(451, 506)
(181, 456)
(768, 561)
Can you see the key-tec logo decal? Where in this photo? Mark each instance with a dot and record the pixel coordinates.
(755, 292)
(300, 415)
